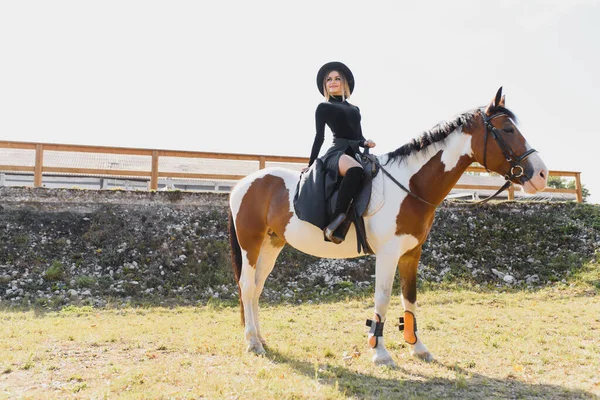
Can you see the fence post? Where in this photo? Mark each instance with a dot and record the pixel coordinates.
(39, 165)
(511, 192)
(261, 162)
(578, 187)
(154, 176)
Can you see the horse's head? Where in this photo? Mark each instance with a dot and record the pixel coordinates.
(500, 147)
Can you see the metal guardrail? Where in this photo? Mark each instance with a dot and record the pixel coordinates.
(154, 173)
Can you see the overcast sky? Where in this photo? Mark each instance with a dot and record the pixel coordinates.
(239, 76)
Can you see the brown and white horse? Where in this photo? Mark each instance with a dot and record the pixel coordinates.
(262, 218)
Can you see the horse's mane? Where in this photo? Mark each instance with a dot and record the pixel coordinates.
(440, 132)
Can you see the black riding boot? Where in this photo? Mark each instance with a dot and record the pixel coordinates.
(337, 229)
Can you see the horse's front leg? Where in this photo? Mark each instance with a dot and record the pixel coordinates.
(385, 270)
(408, 323)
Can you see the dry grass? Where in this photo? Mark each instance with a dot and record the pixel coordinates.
(544, 344)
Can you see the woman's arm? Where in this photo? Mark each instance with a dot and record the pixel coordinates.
(320, 119)
(363, 141)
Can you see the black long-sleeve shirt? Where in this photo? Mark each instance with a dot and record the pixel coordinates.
(342, 118)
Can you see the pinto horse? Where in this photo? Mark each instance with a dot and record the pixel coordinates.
(262, 218)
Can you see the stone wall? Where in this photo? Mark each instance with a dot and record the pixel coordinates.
(61, 246)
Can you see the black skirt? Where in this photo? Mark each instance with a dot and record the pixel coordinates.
(316, 192)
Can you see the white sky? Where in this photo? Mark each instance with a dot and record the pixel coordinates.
(239, 76)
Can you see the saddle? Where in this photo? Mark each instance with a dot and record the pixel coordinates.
(312, 205)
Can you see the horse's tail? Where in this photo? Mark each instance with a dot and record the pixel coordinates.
(236, 260)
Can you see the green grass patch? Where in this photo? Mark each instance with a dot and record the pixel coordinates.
(518, 344)
(55, 272)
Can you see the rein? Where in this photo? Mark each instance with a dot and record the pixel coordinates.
(401, 186)
(516, 169)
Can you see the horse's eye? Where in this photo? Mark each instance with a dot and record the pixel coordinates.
(509, 130)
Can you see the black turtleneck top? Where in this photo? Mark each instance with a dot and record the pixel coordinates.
(342, 118)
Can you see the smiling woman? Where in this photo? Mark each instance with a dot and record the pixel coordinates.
(335, 81)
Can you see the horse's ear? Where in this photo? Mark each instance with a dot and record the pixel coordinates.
(498, 101)
(503, 101)
(498, 98)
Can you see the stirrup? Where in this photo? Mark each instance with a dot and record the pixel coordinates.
(341, 232)
(330, 229)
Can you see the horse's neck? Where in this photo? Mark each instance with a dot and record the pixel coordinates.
(433, 171)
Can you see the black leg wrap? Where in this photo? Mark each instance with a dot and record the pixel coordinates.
(376, 331)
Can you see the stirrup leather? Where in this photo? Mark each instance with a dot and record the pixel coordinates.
(408, 325)
(376, 331)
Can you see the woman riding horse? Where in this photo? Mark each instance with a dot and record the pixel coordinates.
(336, 83)
(415, 178)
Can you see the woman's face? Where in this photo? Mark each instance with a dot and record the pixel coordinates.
(334, 84)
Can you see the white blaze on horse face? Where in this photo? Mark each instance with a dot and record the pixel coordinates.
(539, 178)
(458, 144)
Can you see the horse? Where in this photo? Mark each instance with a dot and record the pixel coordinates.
(262, 218)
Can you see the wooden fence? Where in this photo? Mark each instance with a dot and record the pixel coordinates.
(154, 172)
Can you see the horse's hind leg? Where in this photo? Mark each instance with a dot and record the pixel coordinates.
(252, 282)
(251, 235)
(269, 251)
(248, 289)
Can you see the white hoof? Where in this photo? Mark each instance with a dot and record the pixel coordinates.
(384, 361)
(425, 356)
(256, 348)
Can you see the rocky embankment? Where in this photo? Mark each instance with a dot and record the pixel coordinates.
(61, 247)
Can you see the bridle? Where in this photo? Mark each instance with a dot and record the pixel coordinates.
(516, 169)
(509, 155)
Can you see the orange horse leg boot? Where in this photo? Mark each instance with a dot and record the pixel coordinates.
(376, 330)
(408, 324)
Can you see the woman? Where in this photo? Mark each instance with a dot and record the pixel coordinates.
(336, 83)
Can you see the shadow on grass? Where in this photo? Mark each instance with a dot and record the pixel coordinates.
(465, 385)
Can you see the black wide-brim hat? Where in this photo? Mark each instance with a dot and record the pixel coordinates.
(334, 66)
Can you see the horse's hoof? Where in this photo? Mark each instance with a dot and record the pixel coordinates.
(384, 362)
(427, 356)
(257, 349)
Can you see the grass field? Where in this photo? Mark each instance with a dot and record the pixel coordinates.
(542, 344)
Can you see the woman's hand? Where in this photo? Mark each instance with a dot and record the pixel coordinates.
(370, 144)
(303, 170)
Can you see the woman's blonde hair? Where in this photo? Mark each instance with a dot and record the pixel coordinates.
(345, 86)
